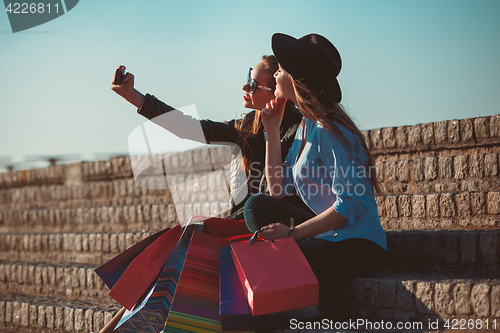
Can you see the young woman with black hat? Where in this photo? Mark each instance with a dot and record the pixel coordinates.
(328, 165)
(246, 133)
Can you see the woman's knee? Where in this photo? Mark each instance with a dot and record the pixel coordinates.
(251, 210)
(255, 201)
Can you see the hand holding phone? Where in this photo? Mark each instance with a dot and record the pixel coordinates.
(119, 75)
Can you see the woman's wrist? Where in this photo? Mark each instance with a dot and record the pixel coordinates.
(272, 134)
(135, 98)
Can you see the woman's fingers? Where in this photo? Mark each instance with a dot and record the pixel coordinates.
(273, 231)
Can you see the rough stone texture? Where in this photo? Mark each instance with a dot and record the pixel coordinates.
(447, 206)
(424, 294)
(441, 131)
(390, 172)
(462, 298)
(50, 314)
(401, 137)
(476, 165)
(443, 298)
(462, 201)
(388, 137)
(478, 203)
(480, 299)
(495, 301)
(402, 171)
(495, 126)
(33, 314)
(59, 318)
(8, 312)
(432, 204)
(414, 135)
(404, 205)
(380, 208)
(108, 316)
(493, 200)
(453, 131)
(427, 131)
(482, 128)
(418, 171)
(376, 138)
(460, 166)
(430, 168)
(79, 320)
(467, 129)
(41, 317)
(98, 321)
(418, 206)
(391, 206)
(2, 312)
(89, 320)
(490, 165)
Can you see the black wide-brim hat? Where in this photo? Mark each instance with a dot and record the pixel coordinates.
(312, 60)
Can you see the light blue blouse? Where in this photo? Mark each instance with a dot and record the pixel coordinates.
(330, 173)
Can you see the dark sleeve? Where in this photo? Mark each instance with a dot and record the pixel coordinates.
(213, 131)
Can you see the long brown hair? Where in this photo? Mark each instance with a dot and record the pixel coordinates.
(326, 114)
(249, 125)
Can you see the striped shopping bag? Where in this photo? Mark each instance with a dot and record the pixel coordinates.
(150, 314)
(196, 302)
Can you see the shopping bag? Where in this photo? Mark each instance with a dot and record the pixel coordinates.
(224, 228)
(234, 311)
(275, 276)
(150, 314)
(195, 307)
(144, 269)
(111, 271)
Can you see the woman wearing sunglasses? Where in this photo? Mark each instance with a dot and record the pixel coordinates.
(247, 132)
(329, 166)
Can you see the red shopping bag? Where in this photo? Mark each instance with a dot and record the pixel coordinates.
(144, 269)
(111, 271)
(224, 228)
(275, 276)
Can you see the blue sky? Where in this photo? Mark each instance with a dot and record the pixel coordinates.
(404, 63)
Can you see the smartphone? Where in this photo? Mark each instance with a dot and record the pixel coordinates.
(119, 75)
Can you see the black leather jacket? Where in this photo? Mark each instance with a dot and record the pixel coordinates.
(225, 132)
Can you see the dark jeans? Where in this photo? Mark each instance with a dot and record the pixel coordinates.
(333, 263)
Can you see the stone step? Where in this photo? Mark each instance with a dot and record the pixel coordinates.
(426, 251)
(478, 172)
(83, 248)
(409, 299)
(64, 281)
(444, 252)
(420, 298)
(119, 192)
(443, 138)
(440, 211)
(116, 168)
(105, 218)
(406, 212)
(30, 314)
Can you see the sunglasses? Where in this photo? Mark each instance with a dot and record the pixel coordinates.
(253, 85)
